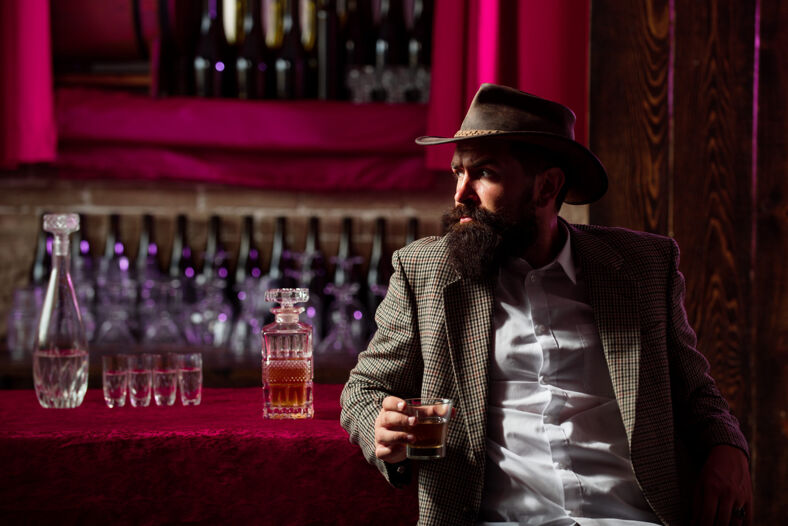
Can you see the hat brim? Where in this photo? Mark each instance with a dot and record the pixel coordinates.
(585, 173)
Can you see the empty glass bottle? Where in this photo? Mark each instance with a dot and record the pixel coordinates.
(60, 349)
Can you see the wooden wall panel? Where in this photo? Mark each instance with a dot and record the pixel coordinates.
(770, 342)
(712, 182)
(689, 162)
(628, 124)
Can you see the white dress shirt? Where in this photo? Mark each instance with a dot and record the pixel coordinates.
(557, 451)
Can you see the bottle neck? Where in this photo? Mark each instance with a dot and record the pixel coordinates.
(288, 314)
(60, 245)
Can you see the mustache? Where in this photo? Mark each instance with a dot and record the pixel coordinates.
(479, 215)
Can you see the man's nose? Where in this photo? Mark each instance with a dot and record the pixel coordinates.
(465, 191)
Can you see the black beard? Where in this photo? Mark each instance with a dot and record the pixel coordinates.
(479, 247)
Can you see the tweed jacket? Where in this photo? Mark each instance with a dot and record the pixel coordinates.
(435, 336)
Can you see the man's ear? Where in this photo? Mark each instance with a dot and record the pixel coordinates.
(548, 186)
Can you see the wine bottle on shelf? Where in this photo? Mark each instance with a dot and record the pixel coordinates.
(208, 319)
(309, 40)
(379, 270)
(147, 263)
(412, 230)
(215, 259)
(181, 263)
(114, 264)
(289, 66)
(419, 51)
(327, 35)
(346, 323)
(254, 60)
(164, 56)
(314, 262)
(390, 53)
(247, 264)
(345, 261)
(112, 244)
(144, 247)
(81, 264)
(313, 268)
(357, 55)
(276, 277)
(82, 274)
(186, 22)
(39, 270)
(213, 71)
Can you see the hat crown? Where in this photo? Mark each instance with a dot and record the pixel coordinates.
(504, 109)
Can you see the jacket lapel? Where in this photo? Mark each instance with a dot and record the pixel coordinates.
(613, 296)
(468, 306)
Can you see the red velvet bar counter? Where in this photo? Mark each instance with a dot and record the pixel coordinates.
(216, 463)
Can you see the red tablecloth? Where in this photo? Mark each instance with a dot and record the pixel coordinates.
(216, 463)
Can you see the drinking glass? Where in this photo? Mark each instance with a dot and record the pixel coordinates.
(190, 378)
(430, 427)
(140, 379)
(115, 379)
(165, 378)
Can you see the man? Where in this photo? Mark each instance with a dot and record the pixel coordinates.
(580, 396)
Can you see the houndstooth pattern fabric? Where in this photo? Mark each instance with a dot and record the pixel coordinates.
(435, 336)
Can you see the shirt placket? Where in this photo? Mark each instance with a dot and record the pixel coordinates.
(556, 435)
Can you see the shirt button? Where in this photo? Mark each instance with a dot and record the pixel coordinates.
(533, 278)
(540, 329)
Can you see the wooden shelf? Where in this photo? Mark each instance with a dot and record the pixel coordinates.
(285, 145)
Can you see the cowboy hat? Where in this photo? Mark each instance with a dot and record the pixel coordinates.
(501, 111)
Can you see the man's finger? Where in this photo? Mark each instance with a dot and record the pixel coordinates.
(392, 403)
(390, 438)
(383, 452)
(394, 420)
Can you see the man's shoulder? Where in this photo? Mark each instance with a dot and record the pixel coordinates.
(619, 237)
(426, 259)
(638, 251)
(424, 248)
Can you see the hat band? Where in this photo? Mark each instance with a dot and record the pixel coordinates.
(472, 133)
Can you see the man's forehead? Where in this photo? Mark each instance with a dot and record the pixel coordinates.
(470, 151)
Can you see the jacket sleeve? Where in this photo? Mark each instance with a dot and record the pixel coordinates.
(703, 417)
(391, 365)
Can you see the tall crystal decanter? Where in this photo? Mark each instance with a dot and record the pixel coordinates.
(60, 350)
(288, 368)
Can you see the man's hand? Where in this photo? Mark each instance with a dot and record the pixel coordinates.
(391, 430)
(724, 488)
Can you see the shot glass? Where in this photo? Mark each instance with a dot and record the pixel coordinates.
(190, 378)
(165, 378)
(430, 427)
(140, 379)
(115, 379)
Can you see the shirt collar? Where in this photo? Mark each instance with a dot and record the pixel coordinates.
(564, 258)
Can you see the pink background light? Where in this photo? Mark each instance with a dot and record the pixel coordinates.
(27, 118)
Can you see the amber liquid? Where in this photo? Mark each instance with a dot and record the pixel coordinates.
(287, 388)
(429, 437)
